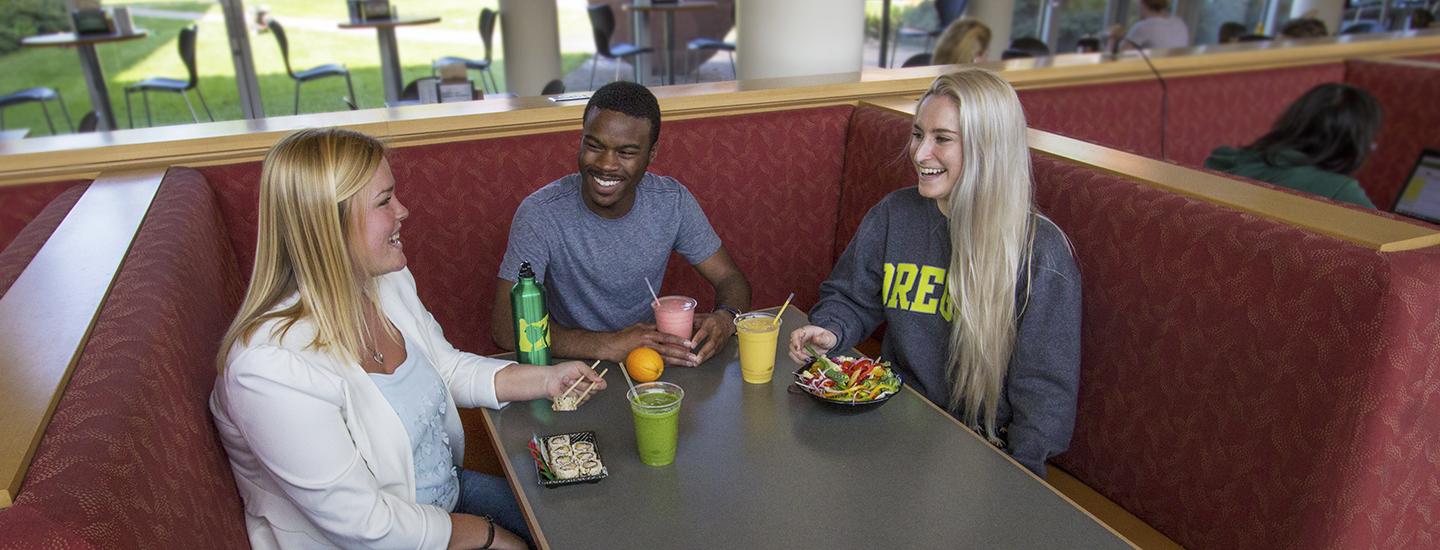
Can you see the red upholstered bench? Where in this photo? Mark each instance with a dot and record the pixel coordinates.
(1245, 383)
(130, 458)
(24, 202)
(20, 247)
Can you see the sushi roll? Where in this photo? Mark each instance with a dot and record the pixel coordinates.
(566, 403)
(590, 468)
(582, 456)
(557, 442)
(561, 451)
(562, 460)
(584, 447)
(567, 470)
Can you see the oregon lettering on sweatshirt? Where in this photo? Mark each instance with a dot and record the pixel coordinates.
(917, 288)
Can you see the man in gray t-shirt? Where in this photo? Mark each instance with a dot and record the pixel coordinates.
(593, 237)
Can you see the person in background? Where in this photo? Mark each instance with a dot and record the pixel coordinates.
(980, 293)
(1314, 146)
(595, 236)
(1304, 27)
(1421, 19)
(966, 40)
(1088, 44)
(336, 396)
(1156, 29)
(1230, 32)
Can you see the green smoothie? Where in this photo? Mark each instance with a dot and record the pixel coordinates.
(656, 408)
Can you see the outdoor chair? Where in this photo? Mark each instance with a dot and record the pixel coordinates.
(487, 35)
(709, 44)
(38, 95)
(553, 87)
(313, 73)
(162, 84)
(946, 11)
(602, 21)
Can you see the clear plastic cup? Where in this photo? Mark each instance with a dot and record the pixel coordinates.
(759, 335)
(656, 409)
(675, 315)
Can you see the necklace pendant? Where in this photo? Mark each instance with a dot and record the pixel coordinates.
(378, 357)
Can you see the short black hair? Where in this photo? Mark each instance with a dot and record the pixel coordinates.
(630, 99)
(1231, 31)
(1333, 125)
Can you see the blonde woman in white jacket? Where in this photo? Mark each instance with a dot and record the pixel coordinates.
(336, 400)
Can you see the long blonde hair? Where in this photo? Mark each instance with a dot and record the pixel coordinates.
(306, 186)
(991, 223)
(963, 41)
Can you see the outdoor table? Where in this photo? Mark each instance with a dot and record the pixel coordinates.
(642, 13)
(389, 51)
(89, 65)
(760, 467)
(14, 134)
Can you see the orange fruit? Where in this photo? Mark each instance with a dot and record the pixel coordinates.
(644, 364)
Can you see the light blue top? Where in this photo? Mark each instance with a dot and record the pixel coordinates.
(417, 394)
(594, 268)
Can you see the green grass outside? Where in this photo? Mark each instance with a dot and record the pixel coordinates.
(158, 55)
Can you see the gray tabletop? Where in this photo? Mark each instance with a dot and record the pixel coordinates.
(758, 467)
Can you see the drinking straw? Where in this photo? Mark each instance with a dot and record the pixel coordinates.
(776, 322)
(652, 292)
(628, 382)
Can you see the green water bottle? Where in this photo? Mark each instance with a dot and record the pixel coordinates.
(532, 322)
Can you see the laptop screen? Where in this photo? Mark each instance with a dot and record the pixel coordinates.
(1420, 198)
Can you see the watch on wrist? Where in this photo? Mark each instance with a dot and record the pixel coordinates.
(734, 313)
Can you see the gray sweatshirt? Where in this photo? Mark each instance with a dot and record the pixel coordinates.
(894, 270)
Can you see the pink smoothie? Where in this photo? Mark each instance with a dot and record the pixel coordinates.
(675, 315)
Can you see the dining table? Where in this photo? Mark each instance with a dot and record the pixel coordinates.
(667, 29)
(390, 69)
(89, 64)
(765, 466)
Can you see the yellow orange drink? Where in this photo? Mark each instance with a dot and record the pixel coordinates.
(758, 333)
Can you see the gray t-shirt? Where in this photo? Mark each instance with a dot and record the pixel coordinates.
(594, 268)
(1160, 33)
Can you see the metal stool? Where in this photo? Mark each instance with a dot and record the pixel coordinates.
(38, 95)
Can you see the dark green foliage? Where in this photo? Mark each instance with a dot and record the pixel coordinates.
(22, 18)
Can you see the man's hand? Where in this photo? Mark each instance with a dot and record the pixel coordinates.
(674, 349)
(713, 330)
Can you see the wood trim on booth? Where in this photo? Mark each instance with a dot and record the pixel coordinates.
(55, 158)
(46, 316)
(1356, 226)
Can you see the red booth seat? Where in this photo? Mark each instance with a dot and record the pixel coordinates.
(22, 203)
(130, 458)
(16, 254)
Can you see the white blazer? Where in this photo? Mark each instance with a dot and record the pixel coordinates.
(319, 456)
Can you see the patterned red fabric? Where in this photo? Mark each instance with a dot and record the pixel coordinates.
(1123, 115)
(130, 458)
(23, 203)
(462, 195)
(1203, 112)
(780, 229)
(1234, 395)
(16, 257)
(1407, 95)
(876, 163)
(1209, 111)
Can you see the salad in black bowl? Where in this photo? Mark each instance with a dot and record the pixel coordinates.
(848, 382)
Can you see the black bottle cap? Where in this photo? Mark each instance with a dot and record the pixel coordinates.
(525, 271)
